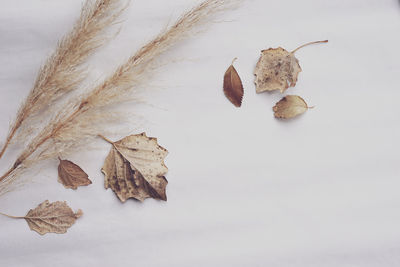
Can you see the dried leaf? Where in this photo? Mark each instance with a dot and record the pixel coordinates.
(54, 217)
(290, 106)
(233, 87)
(135, 168)
(71, 175)
(48, 217)
(277, 69)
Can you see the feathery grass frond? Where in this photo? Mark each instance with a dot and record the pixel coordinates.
(63, 71)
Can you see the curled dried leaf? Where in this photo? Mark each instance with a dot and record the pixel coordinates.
(71, 175)
(278, 69)
(48, 217)
(233, 87)
(290, 106)
(135, 168)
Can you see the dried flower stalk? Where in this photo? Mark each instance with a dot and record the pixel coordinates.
(63, 71)
(70, 126)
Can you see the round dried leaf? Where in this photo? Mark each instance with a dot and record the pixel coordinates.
(277, 69)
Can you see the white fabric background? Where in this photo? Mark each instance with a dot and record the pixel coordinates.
(244, 189)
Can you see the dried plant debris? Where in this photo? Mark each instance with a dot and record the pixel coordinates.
(71, 175)
(233, 87)
(79, 121)
(48, 217)
(278, 69)
(135, 168)
(290, 106)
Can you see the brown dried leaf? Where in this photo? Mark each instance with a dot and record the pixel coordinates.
(290, 106)
(135, 168)
(277, 69)
(71, 175)
(233, 87)
(48, 217)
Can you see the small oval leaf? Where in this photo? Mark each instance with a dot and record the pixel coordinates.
(233, 87)
(71, 175)
(290, 106)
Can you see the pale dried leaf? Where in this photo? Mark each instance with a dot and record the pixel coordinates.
(233, 87)
(71, 175)
(54, 217)
(290, 106)
(277, 69)
(135, 168)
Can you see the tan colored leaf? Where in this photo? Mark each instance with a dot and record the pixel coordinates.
(48, 217)
(71, 175)
(135, 168)
(290, 106)
(233, 87)
(278, 69)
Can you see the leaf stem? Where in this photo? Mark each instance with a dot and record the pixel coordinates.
(233, 61)
(310, 43)
(105, 139)
(9, 216)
